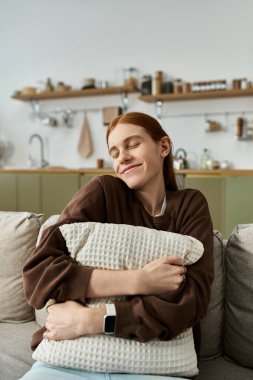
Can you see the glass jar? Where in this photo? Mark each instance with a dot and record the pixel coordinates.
(206, 162)
(131, 78)
(178, 86)
(146, 85)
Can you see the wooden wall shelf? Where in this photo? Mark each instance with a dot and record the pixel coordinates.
(196, 95)
(74, 93)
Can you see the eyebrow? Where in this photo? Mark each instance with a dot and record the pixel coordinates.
(125, 141)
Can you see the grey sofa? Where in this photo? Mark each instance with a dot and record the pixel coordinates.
(227, 330)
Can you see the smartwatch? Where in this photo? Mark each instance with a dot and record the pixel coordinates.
(109, 319)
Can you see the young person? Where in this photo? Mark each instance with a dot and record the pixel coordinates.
(145, 194)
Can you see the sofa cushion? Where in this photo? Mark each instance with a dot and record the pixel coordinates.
(18, 235)
(212, 328)
(222, 369)
(118, 246)
(238, 342)
(16, 354)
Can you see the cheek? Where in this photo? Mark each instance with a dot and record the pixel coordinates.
(115, 166)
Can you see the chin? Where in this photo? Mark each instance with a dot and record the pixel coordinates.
(132, 184)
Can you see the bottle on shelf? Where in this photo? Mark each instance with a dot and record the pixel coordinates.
(49, 86)
(206, 162)
(186, 87)
(157, 83)
(240, 127)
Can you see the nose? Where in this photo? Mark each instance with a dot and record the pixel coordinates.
(124, 156)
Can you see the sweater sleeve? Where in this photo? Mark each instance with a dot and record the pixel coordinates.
(147, 317)
(50, 272)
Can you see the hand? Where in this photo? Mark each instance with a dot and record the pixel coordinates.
(70, 320)
(162, 275)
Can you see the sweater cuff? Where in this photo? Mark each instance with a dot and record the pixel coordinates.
(77, 282)
(127, 322)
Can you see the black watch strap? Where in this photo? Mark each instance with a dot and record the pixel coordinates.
(110, 319)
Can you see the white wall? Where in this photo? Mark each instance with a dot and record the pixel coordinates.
(71, 40)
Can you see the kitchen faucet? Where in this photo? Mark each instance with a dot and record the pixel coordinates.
(43, 162)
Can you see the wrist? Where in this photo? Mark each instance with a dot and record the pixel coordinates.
(92, 321)
(137, 281)
(97, 319)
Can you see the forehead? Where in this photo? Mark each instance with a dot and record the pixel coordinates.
(123, 132)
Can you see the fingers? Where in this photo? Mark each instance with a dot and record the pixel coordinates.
(50, 303)
(46, 334)
(179, 268)
(172, 260)
(176, 261)
(49, 335)
(183, 275)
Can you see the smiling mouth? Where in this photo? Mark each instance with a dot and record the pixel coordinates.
(129, 168)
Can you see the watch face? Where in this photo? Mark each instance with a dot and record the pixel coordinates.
(109, 324)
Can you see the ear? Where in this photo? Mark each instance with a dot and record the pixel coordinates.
(165, 146)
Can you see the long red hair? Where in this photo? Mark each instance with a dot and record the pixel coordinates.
(156, 132)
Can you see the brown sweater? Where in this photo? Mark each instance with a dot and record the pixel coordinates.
(50, 272)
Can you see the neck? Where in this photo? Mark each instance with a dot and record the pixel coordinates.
(152, 202)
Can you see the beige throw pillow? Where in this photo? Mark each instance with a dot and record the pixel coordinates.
(113, 246)
(18, 235)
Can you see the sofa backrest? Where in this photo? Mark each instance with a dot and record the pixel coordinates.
(228, 325)
(212, 328)
(238, 340)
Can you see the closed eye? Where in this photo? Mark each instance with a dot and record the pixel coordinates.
(114, 154)
(132, 146)
(131, 142)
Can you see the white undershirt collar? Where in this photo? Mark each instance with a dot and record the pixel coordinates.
(163, 206)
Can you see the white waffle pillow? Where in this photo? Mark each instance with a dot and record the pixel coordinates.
(120, 246)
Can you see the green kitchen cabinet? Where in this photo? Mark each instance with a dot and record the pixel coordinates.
(8, 193)
(56, 191)
(213, 188)
(238, 202)
(230, 199)
(29, 192)
(85, 178)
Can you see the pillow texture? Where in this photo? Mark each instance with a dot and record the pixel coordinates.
(18, 235)
(118, 246)
(238, 340)
(212, 329)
